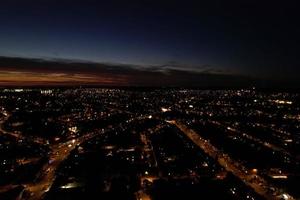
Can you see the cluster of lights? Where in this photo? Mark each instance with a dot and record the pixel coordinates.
(283, 102)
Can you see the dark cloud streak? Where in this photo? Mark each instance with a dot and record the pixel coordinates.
(90, 73)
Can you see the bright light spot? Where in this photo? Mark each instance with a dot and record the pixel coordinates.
(205, 164)
(150, 116)
(47, 189)
(164, 109)
(233, 190)
(285, 196)
(70, 185)
(283, 102)
(46, 91)
(279, 177)
(73, 129)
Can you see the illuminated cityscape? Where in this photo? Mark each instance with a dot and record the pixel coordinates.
(149, 100)
(128, 143)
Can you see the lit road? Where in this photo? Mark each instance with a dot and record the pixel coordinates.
(6, 188)
(37, 140)
(149, 152)
(251, 138)
(47, 174)
(148, 148)
(257, 183)
(58, 153)
(140, 195)
(19, 137)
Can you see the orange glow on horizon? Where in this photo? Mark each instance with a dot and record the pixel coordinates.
(37, 78)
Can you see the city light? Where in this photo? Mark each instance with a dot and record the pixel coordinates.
(95, 136)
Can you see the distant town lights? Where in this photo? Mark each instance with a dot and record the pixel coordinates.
(19, 90)
(283, 102)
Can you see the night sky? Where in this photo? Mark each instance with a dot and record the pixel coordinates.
(184, 43)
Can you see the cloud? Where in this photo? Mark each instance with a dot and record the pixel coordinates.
(22, 71)
(38, 78)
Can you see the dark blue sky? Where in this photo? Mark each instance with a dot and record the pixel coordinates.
(249, 38)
